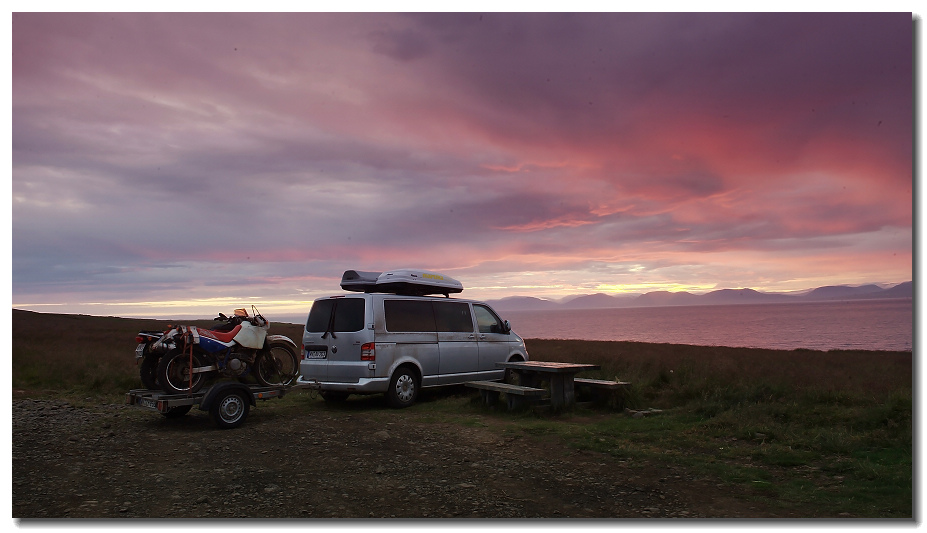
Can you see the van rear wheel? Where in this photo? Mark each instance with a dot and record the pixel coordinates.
(403, 388)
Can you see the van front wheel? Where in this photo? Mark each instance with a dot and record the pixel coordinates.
(403, 388)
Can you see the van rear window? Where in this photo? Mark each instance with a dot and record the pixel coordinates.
(320, 316)
(348, 315)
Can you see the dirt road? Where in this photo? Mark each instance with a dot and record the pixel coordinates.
(115, 461)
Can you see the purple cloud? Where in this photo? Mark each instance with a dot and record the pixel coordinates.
(275, 150)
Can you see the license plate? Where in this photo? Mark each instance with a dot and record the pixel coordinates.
(316, 354)
(148, 402)
(140, 351)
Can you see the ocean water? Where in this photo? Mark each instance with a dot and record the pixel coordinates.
(854, 324)
(857, 324)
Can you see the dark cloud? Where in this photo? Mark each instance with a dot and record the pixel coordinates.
(406, 45)
(224, 149)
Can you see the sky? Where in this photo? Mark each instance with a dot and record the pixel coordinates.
(191, 163)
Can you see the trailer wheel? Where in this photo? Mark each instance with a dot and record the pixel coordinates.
(229, 409)
(177, 412)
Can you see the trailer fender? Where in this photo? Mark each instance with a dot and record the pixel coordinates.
(221, 388)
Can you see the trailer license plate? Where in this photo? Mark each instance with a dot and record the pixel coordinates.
(316, 354)
(140, 351)
(148, 402)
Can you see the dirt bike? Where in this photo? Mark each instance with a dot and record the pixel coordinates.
(147, 356)
(240, 348)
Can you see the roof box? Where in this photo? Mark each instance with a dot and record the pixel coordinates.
(405, 281)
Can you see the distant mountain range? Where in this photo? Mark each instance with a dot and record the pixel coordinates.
(720, 297)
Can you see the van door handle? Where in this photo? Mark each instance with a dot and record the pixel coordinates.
(482, 336)
(471, 336)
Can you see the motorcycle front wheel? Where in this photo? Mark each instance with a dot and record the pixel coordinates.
(277, 365)
(174, 372)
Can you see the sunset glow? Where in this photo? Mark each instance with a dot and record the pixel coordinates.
(193, 163)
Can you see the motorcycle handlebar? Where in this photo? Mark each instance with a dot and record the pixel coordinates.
(257, 319)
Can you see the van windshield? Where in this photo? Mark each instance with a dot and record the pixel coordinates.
(348, 315)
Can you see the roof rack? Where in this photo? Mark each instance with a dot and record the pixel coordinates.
(404, 281)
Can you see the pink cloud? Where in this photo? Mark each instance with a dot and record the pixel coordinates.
(293, 146)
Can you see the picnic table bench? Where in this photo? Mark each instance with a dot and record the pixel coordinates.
(607, 391)
(601, 383)
(516, 396)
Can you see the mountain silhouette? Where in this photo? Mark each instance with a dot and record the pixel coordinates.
(719, 297)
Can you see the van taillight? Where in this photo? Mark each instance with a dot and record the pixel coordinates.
(368, 352)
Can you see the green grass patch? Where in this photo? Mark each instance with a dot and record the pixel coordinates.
(829, 431)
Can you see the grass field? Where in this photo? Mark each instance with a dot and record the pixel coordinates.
(830, 431)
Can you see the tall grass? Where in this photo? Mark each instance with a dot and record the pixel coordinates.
(80, 353)
(789, 421)
(666, 375)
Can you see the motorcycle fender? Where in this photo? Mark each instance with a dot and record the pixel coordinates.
(280, 338)
(251, 336)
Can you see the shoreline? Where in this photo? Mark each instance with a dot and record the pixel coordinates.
(294, 331)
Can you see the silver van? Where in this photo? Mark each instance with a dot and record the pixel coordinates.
(399, 341)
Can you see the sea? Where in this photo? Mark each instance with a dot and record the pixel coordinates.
(837, 325)
(832, 325)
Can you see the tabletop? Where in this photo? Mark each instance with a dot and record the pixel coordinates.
(548, 366)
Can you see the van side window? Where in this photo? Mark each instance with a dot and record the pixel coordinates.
(453, 316)
(409, 316)
(349, 315)
(487, 321)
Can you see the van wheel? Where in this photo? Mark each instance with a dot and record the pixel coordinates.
(403, 388)
(511, 376)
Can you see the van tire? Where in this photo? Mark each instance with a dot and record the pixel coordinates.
(512, 377)
(403, 388)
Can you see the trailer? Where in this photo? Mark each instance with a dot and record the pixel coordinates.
(227, 402)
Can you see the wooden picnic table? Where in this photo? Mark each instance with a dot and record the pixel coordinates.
(559, 375)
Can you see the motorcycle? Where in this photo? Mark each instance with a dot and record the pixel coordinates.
(147, 357)
(184, 358)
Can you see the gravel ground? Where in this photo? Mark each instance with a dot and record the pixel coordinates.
(117, 461)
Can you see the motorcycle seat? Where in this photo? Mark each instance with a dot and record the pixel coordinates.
(221, 336)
